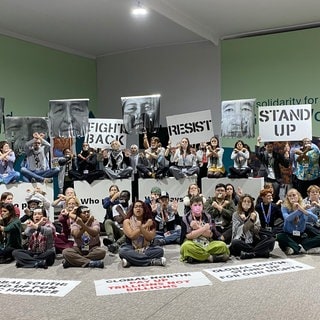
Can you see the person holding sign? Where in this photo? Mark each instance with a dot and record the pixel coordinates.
(294, 239)
(185, 161)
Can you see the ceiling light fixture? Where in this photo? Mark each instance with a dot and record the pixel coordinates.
(139, 10)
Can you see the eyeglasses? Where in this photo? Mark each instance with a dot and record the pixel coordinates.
(87, 211)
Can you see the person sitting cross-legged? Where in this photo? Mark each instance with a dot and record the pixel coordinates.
(85, 231)
(139, 229)
(41, 251)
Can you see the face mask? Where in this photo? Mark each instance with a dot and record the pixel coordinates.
(197, 209)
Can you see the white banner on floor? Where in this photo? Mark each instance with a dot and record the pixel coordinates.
(151, 283)
(257, 269)
(37, 287)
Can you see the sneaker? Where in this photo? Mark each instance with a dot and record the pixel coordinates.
(220, 258)
(289, 251)
(159, 262)
(191, 260)
(113, 248)
(66, 264)
(96, 264)
(125, 263)
(313, 250)
(246, 255)
(302, 249)
(107, 241)
(42, 264)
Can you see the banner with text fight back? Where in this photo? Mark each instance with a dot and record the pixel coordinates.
(196, 126)
(285, 123)
(103, 131)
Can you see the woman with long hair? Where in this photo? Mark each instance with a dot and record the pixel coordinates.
(139, 229)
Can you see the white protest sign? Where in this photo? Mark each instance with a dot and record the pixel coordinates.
(92, 194)
(258, 269)
(20, 191)
(103, 131)
(151, 283)
(177, 189)
(196, 126)
(39, 287)
(285, 123)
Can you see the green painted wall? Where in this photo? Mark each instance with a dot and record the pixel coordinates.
(31, 75)
(273, 69)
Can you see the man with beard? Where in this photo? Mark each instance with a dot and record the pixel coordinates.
(117, 162)
(36, 166)
(86, 165)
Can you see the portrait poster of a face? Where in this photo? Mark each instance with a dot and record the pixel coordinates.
(68, 118)
(237, 118)
(141, 113)
(19, 130)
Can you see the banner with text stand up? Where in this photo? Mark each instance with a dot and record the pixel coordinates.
(285, 123)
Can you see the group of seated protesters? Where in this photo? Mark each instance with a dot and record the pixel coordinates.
(208, 230)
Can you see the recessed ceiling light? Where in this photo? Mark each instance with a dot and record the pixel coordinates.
(139, 10)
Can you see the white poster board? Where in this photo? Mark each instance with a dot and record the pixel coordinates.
(285, 123)
(177, 189)
(92, 194)
(103, 131)
(196, 126)
(20, 190)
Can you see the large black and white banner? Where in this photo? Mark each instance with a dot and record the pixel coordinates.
(68, 118)
(141, 113)
(197, 126)
(237, 118)
(285, 123)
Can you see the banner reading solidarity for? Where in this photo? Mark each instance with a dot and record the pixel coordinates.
(103, 131)
(197, 126)
(285, 123)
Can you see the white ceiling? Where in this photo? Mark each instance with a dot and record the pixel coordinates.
(94, 28)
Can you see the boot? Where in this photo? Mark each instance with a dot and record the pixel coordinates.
(247, 255)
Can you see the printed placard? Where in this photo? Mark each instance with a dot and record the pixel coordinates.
(257, 269)
(151, 283)
(103, 131)
(285, 123)
(37, 287)
(197, 126)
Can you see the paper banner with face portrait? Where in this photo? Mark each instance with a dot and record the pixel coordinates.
(68, 118)
(103, 131)
(285, 123)
(237, 118)
(19, 130)
(196, 126)
(141, 113)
